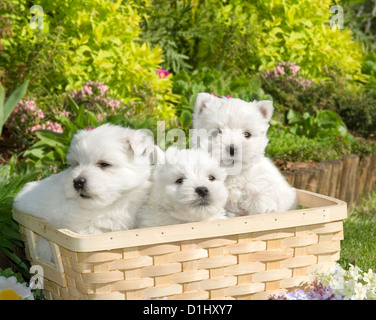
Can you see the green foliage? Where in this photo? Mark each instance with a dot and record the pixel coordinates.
(252, 36)
(214, 81)
(7, 107)
(7, 273)
(287, 146)
(52, 147)
(358, 247)
(9, 233)
(325, 123)
(300, 137)
(84, 40)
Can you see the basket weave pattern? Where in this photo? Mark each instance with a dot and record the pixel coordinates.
(246, 265)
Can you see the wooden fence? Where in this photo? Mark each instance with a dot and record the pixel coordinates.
(347, 179)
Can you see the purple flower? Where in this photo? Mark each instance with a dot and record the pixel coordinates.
(317, 292)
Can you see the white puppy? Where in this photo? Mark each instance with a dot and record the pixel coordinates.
(102, 190)
(187, 186)
(235, 131)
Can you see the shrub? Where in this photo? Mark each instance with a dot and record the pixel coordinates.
(82, 41)
(7, 107)
(9, 231)
(234, 84)
(252, 36)
(300, 137)
(355, 103)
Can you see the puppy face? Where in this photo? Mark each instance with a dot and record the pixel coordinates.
(235, 129)
(105, 164)
(191, 182)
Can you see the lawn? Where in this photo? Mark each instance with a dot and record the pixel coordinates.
(359, 245)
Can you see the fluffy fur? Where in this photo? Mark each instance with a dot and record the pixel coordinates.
(178, 179)
(235, 132)
(114, 163)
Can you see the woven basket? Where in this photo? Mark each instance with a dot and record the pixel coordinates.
(248, 257)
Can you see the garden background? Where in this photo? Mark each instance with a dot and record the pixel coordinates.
(82, 63)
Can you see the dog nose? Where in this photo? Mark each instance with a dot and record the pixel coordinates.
(231, 149)
(202, 191)
(79, 183)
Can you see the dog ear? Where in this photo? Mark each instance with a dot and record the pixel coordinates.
(266, 108)
(202, 100)
(140, 142)
(159, 156)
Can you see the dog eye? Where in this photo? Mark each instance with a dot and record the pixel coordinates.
(103, 164)
(179, 181)
(211, 178)
(247, 135)
(216, 132)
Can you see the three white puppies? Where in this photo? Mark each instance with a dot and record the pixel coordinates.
(237, 138)
(102, 190)
(107, 186)
(187, 186)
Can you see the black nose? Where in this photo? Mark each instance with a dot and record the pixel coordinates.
(231, 149)
(79, 183)
(202, 191)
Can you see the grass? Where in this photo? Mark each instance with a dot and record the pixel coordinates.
(359, 244)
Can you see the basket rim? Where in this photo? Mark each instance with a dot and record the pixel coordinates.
(321, 209)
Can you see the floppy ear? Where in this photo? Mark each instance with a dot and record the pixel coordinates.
(266, 108)
(159, 156)
(202, 100)
(140, 143)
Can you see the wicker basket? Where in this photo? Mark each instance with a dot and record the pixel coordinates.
(248, 257)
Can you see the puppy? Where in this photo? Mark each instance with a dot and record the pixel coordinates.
(235, 132)
(187, 186)
(104, 187)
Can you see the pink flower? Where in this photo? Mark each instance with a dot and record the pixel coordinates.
(86, 90)
(279, 70)
(30, 105)
(162, 73)
(102, 88)
(214, 94)
(65, 113)
(38, 127)
(229, 96)
(23, 117)
(54, 126)
(88, 128)
(40, 114)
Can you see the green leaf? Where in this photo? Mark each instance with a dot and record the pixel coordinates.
(14, 98)
(186, 118)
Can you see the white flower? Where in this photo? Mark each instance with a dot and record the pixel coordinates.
(10, 289)
(360, 292)
(353, 284)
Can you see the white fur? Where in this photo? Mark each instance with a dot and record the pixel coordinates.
(255, 185)
(173, 203)
(115, 192)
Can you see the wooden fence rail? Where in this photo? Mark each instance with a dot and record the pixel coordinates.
(347, 179)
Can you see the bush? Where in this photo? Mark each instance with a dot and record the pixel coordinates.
(9, 231)
(82, 41)
(251, 37)
(234, 84)
(301, 137)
